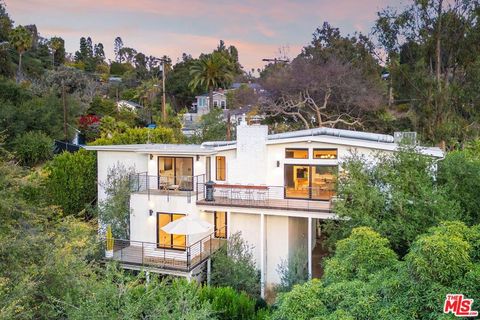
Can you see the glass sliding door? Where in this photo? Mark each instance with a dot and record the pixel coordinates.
(166, 240)
(315, 182)
(323, 182)
(297, 181)
(176, 173)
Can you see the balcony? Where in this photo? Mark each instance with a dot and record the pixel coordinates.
(315, 199)
(187, 186)
(137, 254)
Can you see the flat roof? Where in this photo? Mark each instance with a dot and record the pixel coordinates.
(186, 149)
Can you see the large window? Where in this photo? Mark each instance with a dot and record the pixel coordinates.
(310, 181)
(175, 172)
(220, 224)
(220, 168)
(325, 153)
(296, 153)
(167, 240)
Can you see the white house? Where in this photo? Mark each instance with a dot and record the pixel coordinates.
(130, 105)
(201, 107)
(274, 189)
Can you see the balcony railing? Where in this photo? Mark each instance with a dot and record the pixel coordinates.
(273, 197)
(166, 185)
(177, 258)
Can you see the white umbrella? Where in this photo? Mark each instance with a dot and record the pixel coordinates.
(187, 225)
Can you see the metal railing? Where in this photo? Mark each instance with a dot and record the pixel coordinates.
(167, 185)
(149, 254)
(275, 197)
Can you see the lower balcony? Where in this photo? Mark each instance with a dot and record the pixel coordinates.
(137, 254)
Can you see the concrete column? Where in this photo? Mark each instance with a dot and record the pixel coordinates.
(262, 255)
(209, 270)
(228, 224)
(309, 248)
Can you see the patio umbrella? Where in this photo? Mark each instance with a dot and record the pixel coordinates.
(188, 225)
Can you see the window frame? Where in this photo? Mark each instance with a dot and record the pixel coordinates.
(216, 235)
(171, 247)
(325, 149)
(298, 149)
(224, 168)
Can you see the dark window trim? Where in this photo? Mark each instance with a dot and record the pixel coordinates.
(325, 149)
(215, 224)
(301, 149)
(225, 168)
(171, 235)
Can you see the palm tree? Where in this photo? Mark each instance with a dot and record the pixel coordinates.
(21, 40)
(55, 44)
(211, 72)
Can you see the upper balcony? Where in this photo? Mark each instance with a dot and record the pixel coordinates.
(168, 185)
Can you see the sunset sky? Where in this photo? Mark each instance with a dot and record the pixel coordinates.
(257, 28)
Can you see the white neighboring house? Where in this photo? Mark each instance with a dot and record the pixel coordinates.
(274, 189)
(130, 105)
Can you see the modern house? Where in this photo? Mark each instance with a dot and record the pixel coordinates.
(275, 189)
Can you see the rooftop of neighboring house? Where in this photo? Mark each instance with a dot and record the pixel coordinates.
(215, 93)
(251, 85)
(324, 135)
(130, 103)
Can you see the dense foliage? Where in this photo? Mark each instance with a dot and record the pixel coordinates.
(365, 280)
(33, 147)
(398, 196)
(71, 182)
(233, 266)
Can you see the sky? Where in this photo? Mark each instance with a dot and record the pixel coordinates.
(155, 27)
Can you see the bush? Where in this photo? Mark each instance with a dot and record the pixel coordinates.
(228, 304)
(233, 266)
(361, 254)
(33, 147)
(138, 136)
(294, 270)
(71, 181)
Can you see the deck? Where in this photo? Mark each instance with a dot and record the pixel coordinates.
(142, 254)
(278, 204)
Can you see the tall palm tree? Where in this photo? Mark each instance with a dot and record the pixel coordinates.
(55, 44)
(211, 72)
(21, 39)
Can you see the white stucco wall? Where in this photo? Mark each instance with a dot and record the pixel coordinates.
(109, 159)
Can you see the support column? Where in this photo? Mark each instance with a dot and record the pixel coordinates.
(309, 247)
(262, 255)
(209, 270)
(228, 224)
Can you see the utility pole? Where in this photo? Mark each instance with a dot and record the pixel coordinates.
(164, 106)
(64, 102)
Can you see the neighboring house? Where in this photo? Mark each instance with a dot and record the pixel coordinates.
(275, 189)
(191, 120)
(130, 105)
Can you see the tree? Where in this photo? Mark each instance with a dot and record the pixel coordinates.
(334, 82)
(397, 196)
(139, 136)
(459, 173)
(432, 65)
(212, 126)
(21, 40)
(118, 44)
(57, 46)
(233, 266)
(115, 209)
(211, 72)
(71, 182)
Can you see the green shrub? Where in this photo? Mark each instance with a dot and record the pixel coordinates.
(228, 304)
(138, 136)
(234, 266)
(33, 147)
(71, 181)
